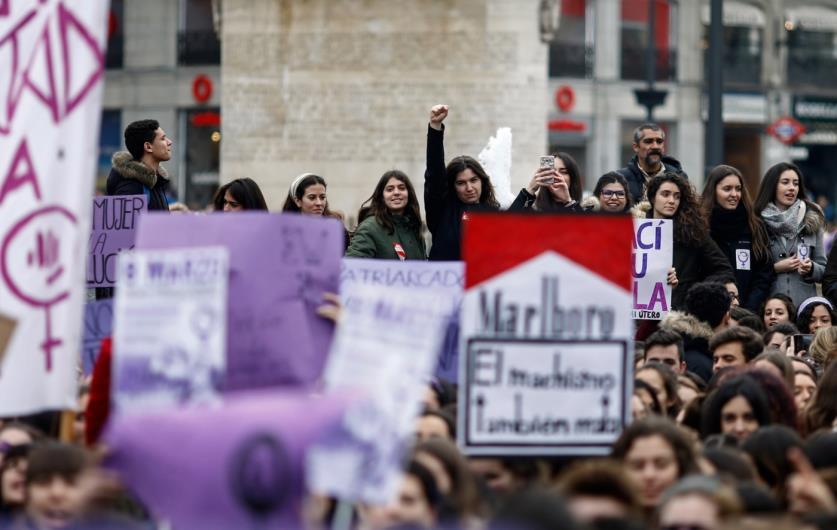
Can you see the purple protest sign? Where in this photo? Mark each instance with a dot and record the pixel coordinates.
(115, 220)
(280, 266)
(238, 466)
(98, 324)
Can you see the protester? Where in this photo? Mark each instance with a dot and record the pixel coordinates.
(597, 489)
(649, 160)
(739, 233)
(664, 382)
(506, 475)
(795, 226)
(776, 363)
(552, 189)
(655, 454)
(611, 195)
(738, 406)
(435, 424)
(696, 257)
(698, 502)
(645, 400)
(14, 433)
(390, 222)
(778, 309)
(415, 506)
(454, 480)
(450, 193)
(707, 312)
(138, 171)
(823, 348)
(239, 195)
(13, 482)
(815, 313)
(804, 388)
(768, 448)
(307, 195)
(666, 347)
(775, 337)
(822, 409)
(829, 278)
(735, 346)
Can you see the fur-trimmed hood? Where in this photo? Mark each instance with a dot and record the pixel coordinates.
(125, 165)
(813, 220)
(686, 324)
(640, 210)
(591, 203)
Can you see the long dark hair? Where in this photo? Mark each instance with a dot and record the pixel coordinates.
(767, 190)
(649, 426)
(245, 191)
(545, 201)
(613, 178)
(709, 202)
(689, 227)
(803, 321)
(297, 192)
(376, 207)
(460, 164)
(741, 385)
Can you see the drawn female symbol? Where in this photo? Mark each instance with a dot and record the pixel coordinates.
(743, 258)
(33, 263)
(803, 251)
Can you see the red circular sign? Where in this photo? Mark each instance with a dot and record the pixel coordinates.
(202, 88)
(565, 98)
(786, 129)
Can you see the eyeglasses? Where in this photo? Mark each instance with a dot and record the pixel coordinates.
(609, 194)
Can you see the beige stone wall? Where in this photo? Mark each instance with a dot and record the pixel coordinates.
(343, 88)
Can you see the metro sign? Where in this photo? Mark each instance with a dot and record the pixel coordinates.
(786, 129)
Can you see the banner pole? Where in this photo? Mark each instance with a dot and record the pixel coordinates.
(65, 430)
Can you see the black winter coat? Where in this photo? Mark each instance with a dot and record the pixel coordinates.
(132, 177)
(636, 178)
(445, 212)
(829, 279)
(702, 262)
(753, 275)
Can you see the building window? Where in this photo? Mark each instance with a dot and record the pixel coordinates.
(197, 42)
(110, 141)
(202, 149)
(811, 33)
(571, 50)
(634, 34)
(743, 38)
(116, 34)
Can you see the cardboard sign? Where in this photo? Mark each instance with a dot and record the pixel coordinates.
(280, 266)
(546, 366)
(242, 462)
(98, 324)
(52, 64)
(171, 332)
(385, 348)
(115, 220)
(444, 279)
(653, 250)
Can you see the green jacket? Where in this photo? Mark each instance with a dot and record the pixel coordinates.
(371, 240)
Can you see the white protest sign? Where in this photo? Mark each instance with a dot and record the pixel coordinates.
(443, 279)
(546, 367)
(52, 63)
(652, 258)
(170, 327)
(385, 348)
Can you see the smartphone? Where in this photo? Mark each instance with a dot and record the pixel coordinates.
(801, 343)
(548, 162)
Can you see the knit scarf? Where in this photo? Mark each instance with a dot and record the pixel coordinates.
(784, 223)
(728, 224)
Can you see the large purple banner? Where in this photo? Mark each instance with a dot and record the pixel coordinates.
(115, 220)
(280, 266)
(242, 466)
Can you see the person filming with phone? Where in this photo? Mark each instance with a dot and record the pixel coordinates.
(555, 186)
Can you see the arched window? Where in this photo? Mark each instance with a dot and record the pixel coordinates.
(811, 33)
(743, 41)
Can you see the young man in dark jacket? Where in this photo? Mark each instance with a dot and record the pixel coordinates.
(649, 160)
(138, 171)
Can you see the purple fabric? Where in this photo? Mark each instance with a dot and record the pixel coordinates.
(236, 466)
(280, 266)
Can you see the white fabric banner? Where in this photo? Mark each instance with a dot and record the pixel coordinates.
(51, 68)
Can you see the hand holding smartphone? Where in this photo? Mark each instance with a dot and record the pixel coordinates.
(548, 162)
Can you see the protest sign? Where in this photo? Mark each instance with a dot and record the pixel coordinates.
(653, 250)
(115, 220)
(98, 324)
(52, 62)
(280, 266)
(170, 331)
(385, 347)
(445, 279)
(239, 465)
(546, 364)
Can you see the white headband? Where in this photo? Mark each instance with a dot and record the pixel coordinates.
(813, 300)
(297, 181)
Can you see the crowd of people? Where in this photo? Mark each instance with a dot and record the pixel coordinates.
(735, 392)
